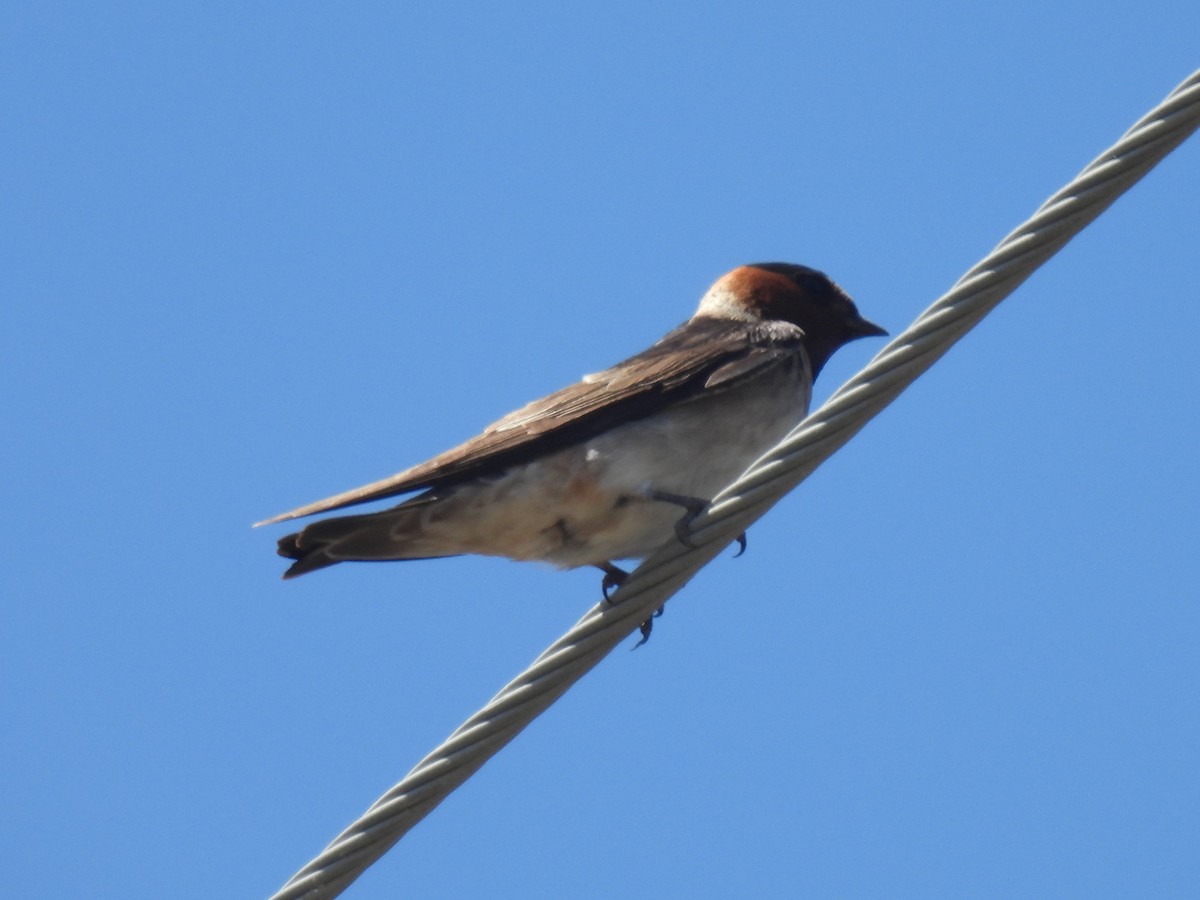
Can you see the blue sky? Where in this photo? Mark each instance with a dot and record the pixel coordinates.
(255, 254)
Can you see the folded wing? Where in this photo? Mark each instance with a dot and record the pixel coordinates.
(701, 356)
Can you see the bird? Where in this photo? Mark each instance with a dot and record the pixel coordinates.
(613, 466)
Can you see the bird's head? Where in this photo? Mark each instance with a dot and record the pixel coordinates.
(787, 292)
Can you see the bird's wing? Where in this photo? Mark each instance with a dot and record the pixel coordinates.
(700, 357)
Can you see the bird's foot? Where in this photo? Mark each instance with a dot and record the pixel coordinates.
(614, 577)
(648, 626)
(693, 505)
(741, 539)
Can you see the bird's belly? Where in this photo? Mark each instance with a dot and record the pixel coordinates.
(589, 504)
(693, 450)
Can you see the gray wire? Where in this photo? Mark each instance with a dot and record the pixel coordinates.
(854, 404)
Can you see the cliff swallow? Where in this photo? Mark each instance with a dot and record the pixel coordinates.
(600, 471)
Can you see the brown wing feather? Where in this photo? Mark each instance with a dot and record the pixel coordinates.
(700, 356)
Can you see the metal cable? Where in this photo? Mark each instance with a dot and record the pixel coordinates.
(854, 404)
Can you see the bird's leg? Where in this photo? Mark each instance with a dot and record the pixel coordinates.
(613, 577)
(693, 505)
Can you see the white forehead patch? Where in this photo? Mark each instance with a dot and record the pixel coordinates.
(722, 303)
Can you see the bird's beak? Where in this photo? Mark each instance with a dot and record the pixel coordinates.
(863, 328)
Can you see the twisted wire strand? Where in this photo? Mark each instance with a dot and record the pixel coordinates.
(855, 403)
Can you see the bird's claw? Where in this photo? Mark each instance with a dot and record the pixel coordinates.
(683, 532)
(648, 626)
(614, 577)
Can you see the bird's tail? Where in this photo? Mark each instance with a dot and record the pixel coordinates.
(391, 534)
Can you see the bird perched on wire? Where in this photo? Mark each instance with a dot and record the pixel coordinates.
(614, 466)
